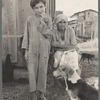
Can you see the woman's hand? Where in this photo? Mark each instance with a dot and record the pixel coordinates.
(77, 49)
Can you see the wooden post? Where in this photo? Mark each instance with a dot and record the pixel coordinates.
(50, 7)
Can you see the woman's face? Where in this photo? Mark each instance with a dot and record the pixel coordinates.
(62, 24)
(39, 8)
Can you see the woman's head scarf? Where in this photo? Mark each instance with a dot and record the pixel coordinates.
(60, 17)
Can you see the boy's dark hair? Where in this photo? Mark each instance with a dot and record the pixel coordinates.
(34, 2)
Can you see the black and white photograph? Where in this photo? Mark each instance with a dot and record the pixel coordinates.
(50, 50)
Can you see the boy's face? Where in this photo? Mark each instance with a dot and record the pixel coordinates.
(39, 8)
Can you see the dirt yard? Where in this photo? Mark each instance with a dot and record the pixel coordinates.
(19, 90)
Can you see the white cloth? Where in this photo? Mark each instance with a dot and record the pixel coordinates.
(70, 58)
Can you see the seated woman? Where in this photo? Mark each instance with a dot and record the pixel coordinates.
(63, 40)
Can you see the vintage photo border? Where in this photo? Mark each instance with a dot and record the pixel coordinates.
(99, 45)
(1, 46)
(0, 50)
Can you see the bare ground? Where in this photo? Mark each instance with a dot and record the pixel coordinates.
(20, 90)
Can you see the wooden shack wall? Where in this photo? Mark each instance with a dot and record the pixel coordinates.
(24, 10)
(9, 44)
(14, 15)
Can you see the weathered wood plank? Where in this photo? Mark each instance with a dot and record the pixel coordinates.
(9, 24)
(12, 28)
(5, 31)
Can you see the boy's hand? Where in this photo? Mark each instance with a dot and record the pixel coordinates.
(47, 20)
(26, 55)
(23, 51)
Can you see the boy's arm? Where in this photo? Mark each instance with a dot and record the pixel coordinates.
(47, 28)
